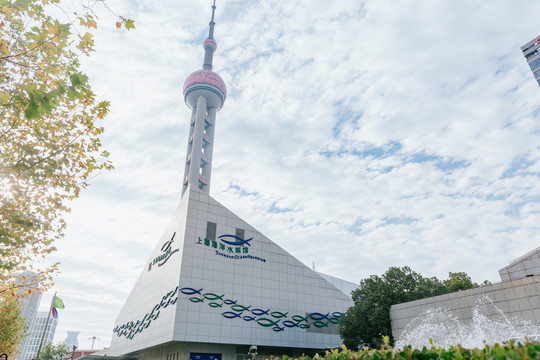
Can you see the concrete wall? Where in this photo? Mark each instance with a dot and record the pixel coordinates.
(519, 297)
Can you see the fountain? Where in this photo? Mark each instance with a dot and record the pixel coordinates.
(489, 325)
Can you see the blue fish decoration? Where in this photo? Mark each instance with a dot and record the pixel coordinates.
(190, 291)
(231, 315)
(239, 240)
(289, 323)
(259, 312)
(318, 316)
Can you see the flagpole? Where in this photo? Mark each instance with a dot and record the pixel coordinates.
(45, 328)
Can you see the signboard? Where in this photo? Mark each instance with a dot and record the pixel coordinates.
(166, 253)
(231, 247)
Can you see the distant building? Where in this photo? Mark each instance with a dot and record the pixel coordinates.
(30, 347)
(30, 304)
(72, 340)
(531, 51)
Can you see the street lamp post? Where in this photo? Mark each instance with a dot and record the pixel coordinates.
(93, 338)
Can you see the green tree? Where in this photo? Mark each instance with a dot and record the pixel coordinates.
(368, 320)
(459, 281)
(49, 132)
(54, 352)
(12, 324)
(49, 128)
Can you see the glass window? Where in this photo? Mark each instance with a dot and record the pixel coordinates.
(211, 230)
(240, 233)
(534, 63)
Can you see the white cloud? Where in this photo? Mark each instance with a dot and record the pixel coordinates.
(357, 135)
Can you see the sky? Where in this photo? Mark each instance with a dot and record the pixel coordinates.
(357, 135)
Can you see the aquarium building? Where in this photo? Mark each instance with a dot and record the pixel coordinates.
(215, 288)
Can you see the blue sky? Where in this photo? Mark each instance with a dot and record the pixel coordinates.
(356, 135)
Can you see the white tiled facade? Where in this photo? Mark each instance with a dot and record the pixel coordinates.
(526, 265)
(225, 296)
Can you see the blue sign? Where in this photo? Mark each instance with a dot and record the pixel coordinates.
(239, 240)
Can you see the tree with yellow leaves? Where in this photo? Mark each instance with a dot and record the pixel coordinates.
(49, 135)
(13, 325)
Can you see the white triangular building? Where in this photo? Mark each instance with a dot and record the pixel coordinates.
(215, 287)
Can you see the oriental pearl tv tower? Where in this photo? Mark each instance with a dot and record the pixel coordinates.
(214, 285)
(204, 94)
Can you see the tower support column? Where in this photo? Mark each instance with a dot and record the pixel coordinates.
(196, 149)
(209, 148)
(189, 153)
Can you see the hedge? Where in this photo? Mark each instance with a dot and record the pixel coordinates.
(508, 350)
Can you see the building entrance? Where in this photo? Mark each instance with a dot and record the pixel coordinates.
(202, 356)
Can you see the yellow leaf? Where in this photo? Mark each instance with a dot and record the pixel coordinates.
(87, 37)
(91, 23)
(130, 24)
(53, 29)
(6, 10)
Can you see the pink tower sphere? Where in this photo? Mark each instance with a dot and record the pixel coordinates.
(209, 42)
(205, 83)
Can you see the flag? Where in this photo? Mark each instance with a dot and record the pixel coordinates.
(58, 303)
(54, 312)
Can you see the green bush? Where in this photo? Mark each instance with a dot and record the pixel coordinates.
(509, 350)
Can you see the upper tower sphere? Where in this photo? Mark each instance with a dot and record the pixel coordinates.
(205, 83)
(209, 42)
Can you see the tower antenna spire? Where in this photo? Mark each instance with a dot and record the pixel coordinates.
(212, 23)
(210, 44)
